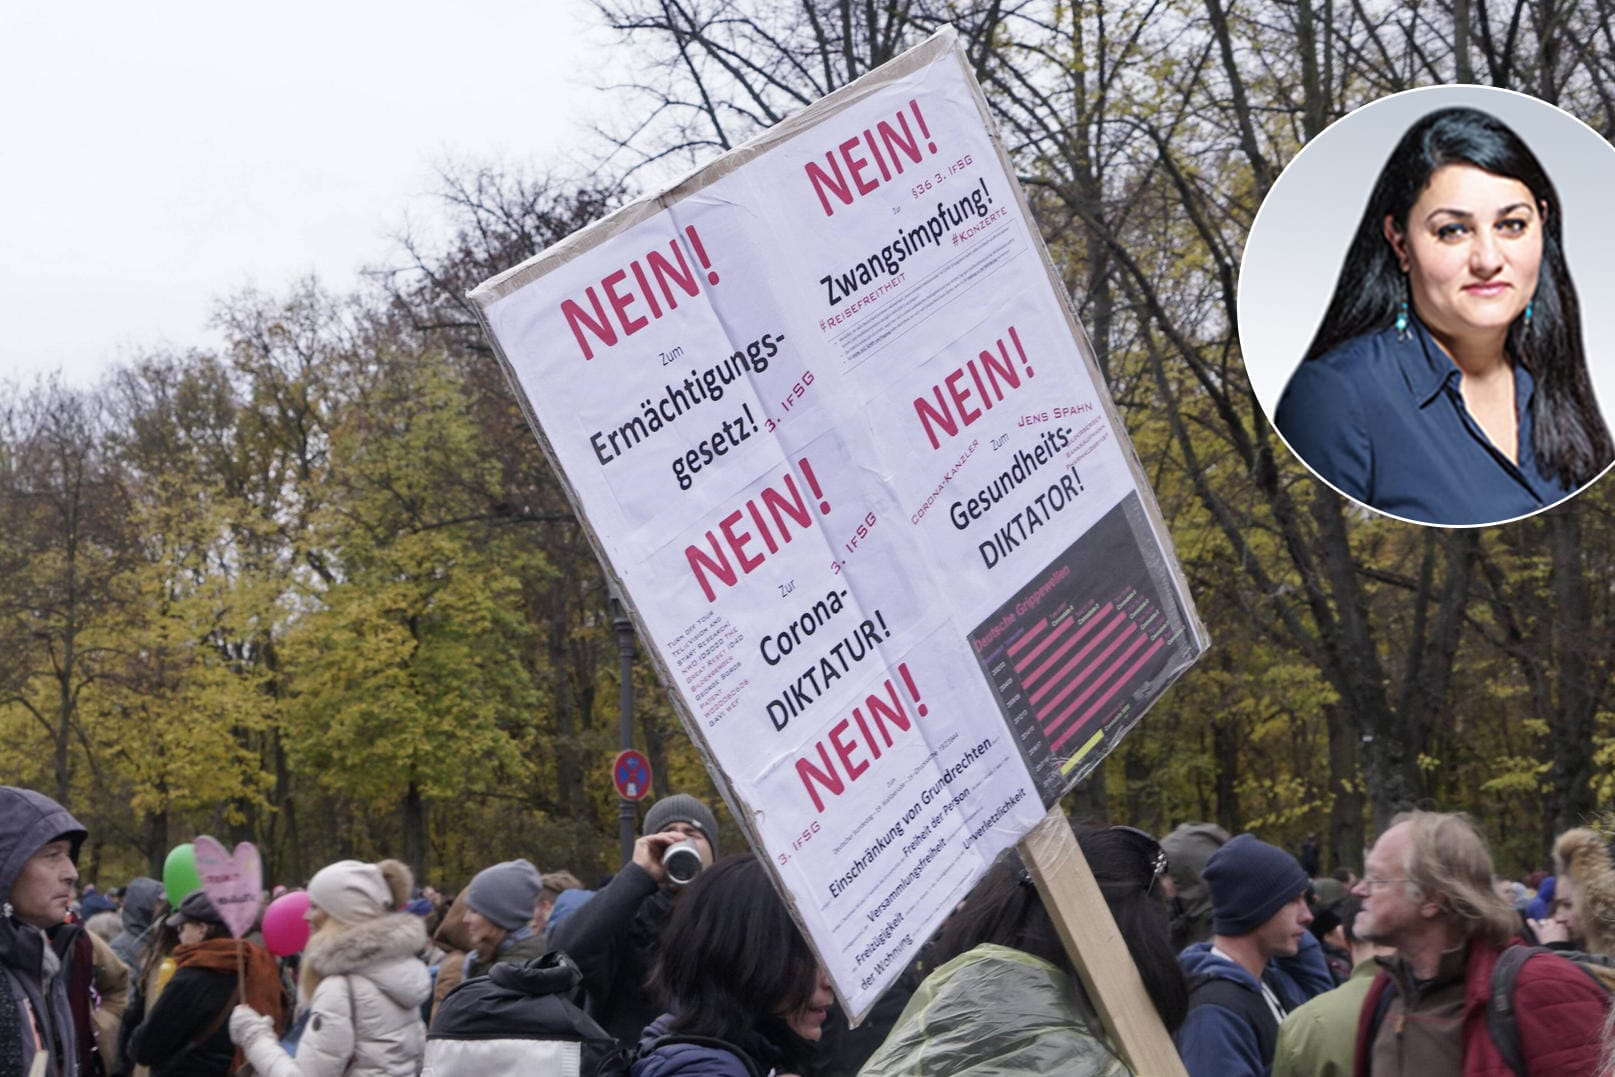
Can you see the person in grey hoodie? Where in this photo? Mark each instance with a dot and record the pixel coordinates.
(39, 844)
(140, 900)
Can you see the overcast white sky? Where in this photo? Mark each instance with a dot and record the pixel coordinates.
(154, 157)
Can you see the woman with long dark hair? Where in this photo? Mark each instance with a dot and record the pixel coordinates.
(1007, 999)
(1447, 383)
(746, 995)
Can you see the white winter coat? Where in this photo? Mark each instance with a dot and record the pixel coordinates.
(365, 1016)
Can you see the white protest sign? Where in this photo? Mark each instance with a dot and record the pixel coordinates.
(831, 425)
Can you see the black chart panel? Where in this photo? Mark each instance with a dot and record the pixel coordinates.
(1084, 648)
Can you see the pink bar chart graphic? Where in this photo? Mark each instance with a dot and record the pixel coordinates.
(1083, 649)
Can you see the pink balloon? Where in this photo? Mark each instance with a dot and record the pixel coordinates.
(285, 929)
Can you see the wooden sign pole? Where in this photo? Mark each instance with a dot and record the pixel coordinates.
(1080, 915)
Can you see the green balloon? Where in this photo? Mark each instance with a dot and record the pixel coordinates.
(179, 873)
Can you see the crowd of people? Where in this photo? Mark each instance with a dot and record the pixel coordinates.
(1425, 965)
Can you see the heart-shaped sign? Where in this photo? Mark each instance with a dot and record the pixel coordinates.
(233, 882)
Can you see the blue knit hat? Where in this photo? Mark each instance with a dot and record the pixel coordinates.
(1249, 881)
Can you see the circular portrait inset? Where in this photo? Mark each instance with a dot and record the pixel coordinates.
(1411, 305)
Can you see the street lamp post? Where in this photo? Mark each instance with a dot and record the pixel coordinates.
(624, 629)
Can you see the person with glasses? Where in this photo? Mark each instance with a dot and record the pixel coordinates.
(1007, 998)
(1427, 891)
(1260, 963)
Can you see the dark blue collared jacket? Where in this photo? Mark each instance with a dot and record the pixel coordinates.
(1382, 420)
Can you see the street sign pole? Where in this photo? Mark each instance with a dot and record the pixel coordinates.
(624, 629)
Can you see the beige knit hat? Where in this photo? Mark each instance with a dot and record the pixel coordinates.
(353, 891)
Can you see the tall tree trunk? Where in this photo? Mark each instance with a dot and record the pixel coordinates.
(1141, 804)
(1345, 840)
(650, 727)
(415, 820)
(1314, 92)
(91, 871)
(569, 796)
(1390, 761)
(1227, 747)
(1464, 68)
(286, 841)
(156, 842)
(1570, 721)
(63, 732)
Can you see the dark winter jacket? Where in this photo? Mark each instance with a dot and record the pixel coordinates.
(1230, 1031)
(712, 1058)
(614, 939)
(139, 906)
(33, 967)
(1559, 1011)
(519, 1020)
(190, 1002)
(517, 953)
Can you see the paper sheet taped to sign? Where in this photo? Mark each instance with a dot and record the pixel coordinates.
(834, 429)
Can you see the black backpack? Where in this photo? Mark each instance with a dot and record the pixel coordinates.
(1250, 1006)
(529, 1004)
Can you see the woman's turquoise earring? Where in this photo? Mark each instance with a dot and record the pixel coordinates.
(1528, 307)
(1402, 332)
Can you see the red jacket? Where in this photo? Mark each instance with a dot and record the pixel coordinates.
(1559, 1010)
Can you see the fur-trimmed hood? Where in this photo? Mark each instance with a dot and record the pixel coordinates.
(1584, 856)
(385, 950)
(362, 986)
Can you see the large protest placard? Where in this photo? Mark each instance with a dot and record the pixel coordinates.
(831, 424)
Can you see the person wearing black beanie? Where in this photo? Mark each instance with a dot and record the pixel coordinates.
(1260, 963)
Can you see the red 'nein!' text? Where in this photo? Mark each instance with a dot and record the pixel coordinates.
(888, 143)
(990, 372)
(840, 757)
(732, 544)
(665, 272)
